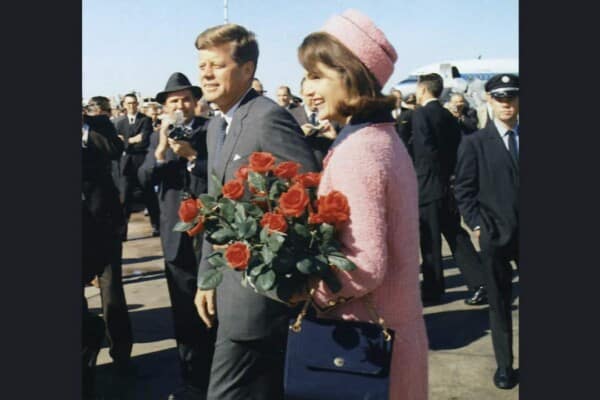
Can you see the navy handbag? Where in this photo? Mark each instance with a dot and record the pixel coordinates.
(329, 359)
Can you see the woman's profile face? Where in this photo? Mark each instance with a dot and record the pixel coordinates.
(325, 87)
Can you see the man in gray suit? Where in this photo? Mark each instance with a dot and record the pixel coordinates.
(249, 351)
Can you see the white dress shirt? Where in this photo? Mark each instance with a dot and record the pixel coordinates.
(504, 133)
(229, 114)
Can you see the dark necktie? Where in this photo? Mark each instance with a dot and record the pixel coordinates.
(313, 118)
(512, 145)
(220, 141)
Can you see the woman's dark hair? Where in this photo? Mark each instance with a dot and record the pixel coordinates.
(364, 92)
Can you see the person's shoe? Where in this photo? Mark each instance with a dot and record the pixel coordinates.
(505, 378)
(155, 232)
(478, 298)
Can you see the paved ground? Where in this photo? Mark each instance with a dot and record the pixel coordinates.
(461, 359)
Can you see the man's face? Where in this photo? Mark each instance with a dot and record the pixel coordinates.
(458, 103)
(221, 79)
(256, 85)
(131, 105)
(307, 94)
(505, 109)
(181, 100)
(283, 97)
(152, 113)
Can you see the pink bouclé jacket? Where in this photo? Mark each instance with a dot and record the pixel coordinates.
(371, 166)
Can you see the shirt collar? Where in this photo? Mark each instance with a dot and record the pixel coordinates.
(429, 101)
(503, 130)
(229, 115)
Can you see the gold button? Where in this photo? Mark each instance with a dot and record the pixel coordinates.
(331, 303)
(338, 362)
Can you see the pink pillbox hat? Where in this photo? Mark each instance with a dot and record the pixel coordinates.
(359, 34)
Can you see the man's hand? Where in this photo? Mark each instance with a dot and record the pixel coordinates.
(135, 139)
(205, 304)
(121, 137)
(182, 148)
(163, 144)
(308, 129)
(477, 233)
(327, 130)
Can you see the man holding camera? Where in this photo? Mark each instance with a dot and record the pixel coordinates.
(176, 162)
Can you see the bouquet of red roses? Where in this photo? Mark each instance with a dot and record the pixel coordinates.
(269, 224)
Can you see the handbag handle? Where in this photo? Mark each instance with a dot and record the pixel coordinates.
(297, 325)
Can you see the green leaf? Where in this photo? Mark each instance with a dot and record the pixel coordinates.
(227, 209)
(326, 231)
(332, 281)
(257, 270)
(301, 230)
(275, 241)
(306, 266)
(258, 181)
(241, 211)
(264, 235)
(207, 200)
(217, 187)
(321, 264)
(216, 260)
(181, 226)
(223, 235)
(247, 229)
(265, 281)
(210, 279)
(341, 262)
(253, 210)
(267, 255)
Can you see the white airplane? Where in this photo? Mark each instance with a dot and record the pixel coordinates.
(458, 74)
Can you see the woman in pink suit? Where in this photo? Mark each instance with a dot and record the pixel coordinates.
(347, 63)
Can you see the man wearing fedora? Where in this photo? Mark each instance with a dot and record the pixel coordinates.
(249, 351)
(178, 167)
(135, 129)
(487, 191)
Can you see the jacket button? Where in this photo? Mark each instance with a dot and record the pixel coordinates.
(338, 362)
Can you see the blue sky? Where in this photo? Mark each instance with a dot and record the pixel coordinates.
(129, 44)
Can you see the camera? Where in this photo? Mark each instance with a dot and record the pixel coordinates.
(177, 129)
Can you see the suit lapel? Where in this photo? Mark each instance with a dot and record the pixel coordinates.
(497, 144)
(236, 129)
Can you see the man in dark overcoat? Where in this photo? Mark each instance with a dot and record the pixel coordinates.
(487, 191)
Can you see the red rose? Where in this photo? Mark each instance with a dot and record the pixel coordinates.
(315, 219)
(197, 229)
(286, 169)
(309, 179)
(293, 202)
(275, 222)
(188, 209)
(234, 189)
(237, 256)
(242, 172)
(334, 208)
(261, 162)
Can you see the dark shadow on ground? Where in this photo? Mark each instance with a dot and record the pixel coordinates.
(152, 325)
(154, 376)
(448, 330)
(146, 276)
(140, 259)
(130, 307)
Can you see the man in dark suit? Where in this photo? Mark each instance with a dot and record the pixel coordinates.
(178, 167)
(435, 142)
(135, 130)
(101, 219)
(319, 134)
(486, 189)
(114, 304)
(249, 351)
(402, 113)
(465, 115)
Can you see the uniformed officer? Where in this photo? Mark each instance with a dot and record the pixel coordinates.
(486, 190)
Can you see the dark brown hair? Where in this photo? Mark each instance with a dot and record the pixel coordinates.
(364, 92)
(244, 44)
(433, 83)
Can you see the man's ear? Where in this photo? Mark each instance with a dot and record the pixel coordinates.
(248, 69)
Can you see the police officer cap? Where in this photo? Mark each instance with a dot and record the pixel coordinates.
(503, 85)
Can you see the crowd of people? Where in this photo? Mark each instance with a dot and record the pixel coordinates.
(413, 168)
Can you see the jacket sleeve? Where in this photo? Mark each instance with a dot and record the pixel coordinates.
(466, 185)
(146, 131)
(364, 238)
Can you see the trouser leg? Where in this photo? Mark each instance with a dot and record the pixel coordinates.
(248, 370)
(195, 342)
(114, 307)
(151, 202)
(462, 248)
(92, 328)
(431, 249)
(498, 279)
